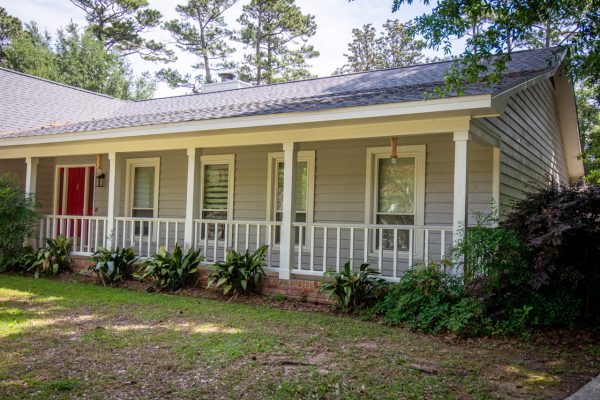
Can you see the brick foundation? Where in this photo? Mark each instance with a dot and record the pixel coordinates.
(295, 288)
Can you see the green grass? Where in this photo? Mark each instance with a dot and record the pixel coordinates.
(69, 340)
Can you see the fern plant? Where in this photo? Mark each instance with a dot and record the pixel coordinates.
(171, 271)
(240, 273)
(52, 259)
(353, 291)
(111, 266)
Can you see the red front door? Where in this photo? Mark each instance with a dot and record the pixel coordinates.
(75, 197)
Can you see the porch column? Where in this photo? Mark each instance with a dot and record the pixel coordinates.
(31, 175)
(496, 180)
(114, 195)
(461, 183)
(287, 237)
(191, 202)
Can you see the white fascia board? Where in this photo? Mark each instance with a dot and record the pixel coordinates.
(455, 104)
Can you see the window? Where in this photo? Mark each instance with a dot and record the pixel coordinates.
(142, 189)
(305, 172)
(396, 192)
(217, 190)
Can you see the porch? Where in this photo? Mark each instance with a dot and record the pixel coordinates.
(358, 199)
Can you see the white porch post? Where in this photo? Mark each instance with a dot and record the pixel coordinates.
(31, 175)
(287, 237)
(191, 202)
(114, 194)
(461, 183)
(496, 180)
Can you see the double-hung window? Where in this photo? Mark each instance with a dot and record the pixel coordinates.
(396, 193)
(143, 176)
(305, 177)
(217, 188)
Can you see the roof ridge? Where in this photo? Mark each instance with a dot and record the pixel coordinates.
(59, 83)
(333, 76)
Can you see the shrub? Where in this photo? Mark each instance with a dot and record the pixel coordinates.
(52, 259)
(430, 300)
(113, 266)
(560, 227)
(17, 261)
(353, 291)
(18, 218)
(171, 271)
(240, 273)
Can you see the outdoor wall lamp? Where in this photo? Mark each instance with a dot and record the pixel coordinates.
(100, 176)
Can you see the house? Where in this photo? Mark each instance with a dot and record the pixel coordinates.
(361, 167)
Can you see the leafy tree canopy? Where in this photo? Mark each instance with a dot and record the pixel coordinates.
(120, 25)
(493, 27)
(395, 46)
(76, 59)
(276, 33)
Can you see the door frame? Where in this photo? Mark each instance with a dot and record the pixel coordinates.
(66, 181)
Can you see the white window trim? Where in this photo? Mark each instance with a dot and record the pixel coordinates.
(135, 163)
(419, 152)
(307, 156)
(66, 187)
(228, 159)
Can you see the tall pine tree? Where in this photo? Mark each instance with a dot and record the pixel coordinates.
(276, 33)
(120, 25)
(202, 31)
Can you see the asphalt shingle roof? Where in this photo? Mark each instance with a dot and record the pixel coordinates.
(28, 105)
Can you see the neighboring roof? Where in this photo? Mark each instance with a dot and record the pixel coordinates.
(368, 88)
(30, 103)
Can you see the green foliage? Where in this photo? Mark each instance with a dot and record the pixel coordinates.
(52, 259)
(17, 261)
(113, 266)
(271, 29)
(240, 273)
(354, 291)
(588, 111)
(171, 271)
(396, 46)
(9, 27)
(120, 24)
(430, 300)
(76, 59)
(201, 30)
(18, 218)
(492, 29)
(491, 252)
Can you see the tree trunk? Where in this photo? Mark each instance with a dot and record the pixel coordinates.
(548, 33)
(204, 46)
(258, 43)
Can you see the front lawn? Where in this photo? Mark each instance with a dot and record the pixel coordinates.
(71, 340)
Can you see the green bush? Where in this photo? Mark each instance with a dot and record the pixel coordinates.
(17, 261)
(171, 271)
(240, 273)
(430, 300)
(52, 259)
(354, 291)
(18, 219)
(111, 266)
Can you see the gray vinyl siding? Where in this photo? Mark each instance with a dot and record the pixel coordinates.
(532, 152)
(15, 167)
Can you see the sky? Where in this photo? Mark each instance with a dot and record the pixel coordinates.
(335, 21)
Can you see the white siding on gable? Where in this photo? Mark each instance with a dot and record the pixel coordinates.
(532, 151)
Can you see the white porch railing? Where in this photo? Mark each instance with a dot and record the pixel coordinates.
(88, 233)
(147, 235)
(390, 249)
(215, 237)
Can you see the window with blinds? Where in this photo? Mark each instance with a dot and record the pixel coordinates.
(301, 196)
(216, 193)
(143, 192)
